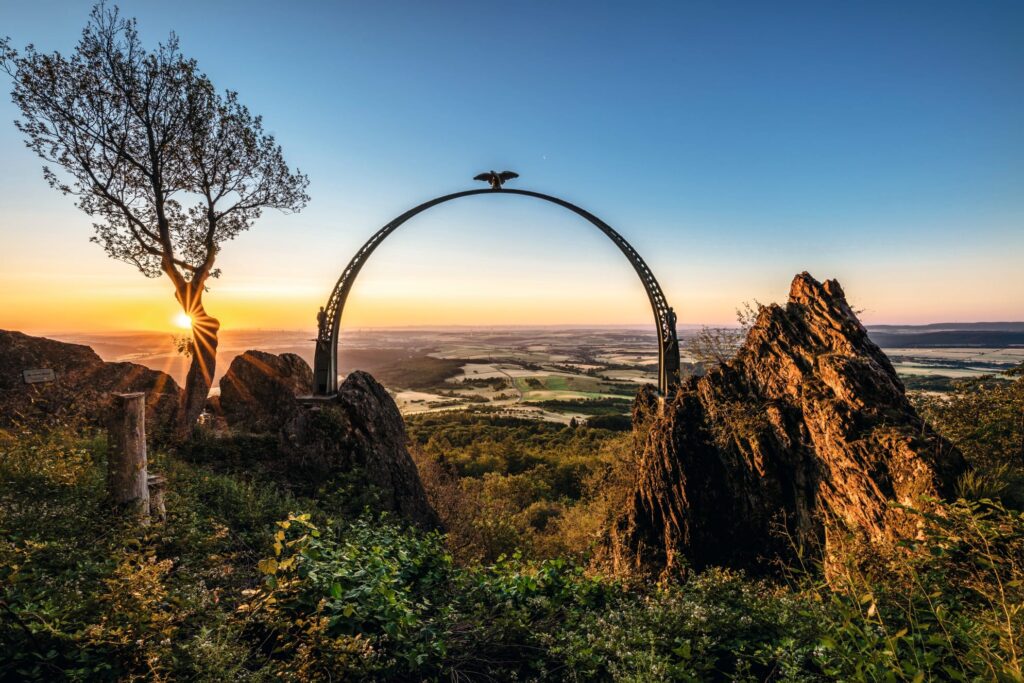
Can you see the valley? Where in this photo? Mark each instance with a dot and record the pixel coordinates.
(558, 374)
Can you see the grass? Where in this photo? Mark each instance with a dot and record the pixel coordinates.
(247, 582)
(590, 406)
(562, 387)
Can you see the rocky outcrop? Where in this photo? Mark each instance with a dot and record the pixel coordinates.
(361, 429)
(258, 393)
(357, 431)
(807, 428)
(82, 386)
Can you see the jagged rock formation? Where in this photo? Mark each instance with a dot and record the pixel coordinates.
(362, 429)
(82, 387)
(808, 424)
(358, 430)
(258, 392)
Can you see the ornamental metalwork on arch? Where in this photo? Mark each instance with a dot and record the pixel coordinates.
(325, 363)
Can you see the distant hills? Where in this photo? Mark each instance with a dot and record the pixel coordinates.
(982, 335)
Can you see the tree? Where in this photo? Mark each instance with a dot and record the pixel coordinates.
(168, 168)
(717, 345)
(984, 417)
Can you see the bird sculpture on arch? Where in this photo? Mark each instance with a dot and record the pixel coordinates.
(495, 178)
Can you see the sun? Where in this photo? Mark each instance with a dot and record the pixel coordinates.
(183, 320)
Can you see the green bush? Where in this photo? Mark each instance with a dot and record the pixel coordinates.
(373, 600)
(355, 600)
(946, 606)
(85, 594)
(984, 417)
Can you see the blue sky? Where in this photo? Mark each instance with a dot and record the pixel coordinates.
(734, 144)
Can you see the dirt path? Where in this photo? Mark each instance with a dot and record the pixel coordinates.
(512, 380)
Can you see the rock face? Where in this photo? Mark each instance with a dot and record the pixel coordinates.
(83, 385)
(258, 392)
(807, 427)
(361, 428)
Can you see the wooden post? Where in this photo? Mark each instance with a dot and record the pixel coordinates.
(127, 482)
(157, 487)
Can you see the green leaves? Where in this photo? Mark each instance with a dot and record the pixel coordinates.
(369, 579)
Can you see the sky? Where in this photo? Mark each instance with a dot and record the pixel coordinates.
(734, 144)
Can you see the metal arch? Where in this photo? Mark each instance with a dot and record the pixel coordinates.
(325, 362)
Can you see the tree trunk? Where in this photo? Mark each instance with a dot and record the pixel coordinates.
(204, 359)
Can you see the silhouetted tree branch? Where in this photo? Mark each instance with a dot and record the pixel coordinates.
(169, 168)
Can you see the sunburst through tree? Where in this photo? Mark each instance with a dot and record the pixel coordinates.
(168, 167)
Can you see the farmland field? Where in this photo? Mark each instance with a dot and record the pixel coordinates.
(550, 373)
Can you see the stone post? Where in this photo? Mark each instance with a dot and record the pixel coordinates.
(127, 481)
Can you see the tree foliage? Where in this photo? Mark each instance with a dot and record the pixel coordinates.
(169, 168)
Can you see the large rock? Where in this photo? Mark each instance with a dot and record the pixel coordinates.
(82, 388)
(358, 431)
(807, 428)
(362, 430)
(258, 393)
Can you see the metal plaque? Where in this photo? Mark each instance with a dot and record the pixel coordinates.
(38, 375)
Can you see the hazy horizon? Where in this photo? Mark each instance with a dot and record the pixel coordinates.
(469, 326)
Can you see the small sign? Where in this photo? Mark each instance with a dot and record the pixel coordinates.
(39, 375)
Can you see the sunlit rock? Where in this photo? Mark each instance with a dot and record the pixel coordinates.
(259, 391)
(807, 427)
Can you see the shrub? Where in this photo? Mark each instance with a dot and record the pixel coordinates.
(948, 605)
(356, 600)
(984, 417)
(86, 595)
(233, 587)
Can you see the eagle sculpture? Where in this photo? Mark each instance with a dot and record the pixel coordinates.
(496, 179)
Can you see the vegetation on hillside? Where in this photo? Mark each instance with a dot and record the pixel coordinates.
(504, 484)
(246, 581)
(590, 406)
(985, 418)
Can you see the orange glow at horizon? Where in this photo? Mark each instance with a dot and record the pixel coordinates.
(149, 305)
(480, 287)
